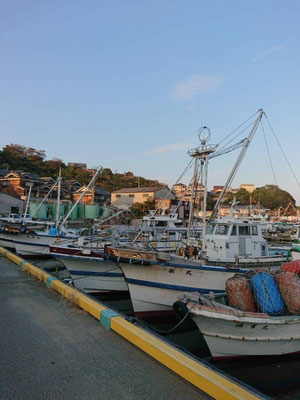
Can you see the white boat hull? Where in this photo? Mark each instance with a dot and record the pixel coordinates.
(27, 244)
(154, 288)
(230, 336)
(6, 241)
(92, 274)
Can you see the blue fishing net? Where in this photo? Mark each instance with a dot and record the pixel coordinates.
(267, 294)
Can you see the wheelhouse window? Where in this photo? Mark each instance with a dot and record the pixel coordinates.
(244, 230)
(254, 230)
(210, 229)
(221, 230)
(161, 223)
(233, 231)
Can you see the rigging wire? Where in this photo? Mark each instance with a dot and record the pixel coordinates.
(157, 209)
(227, 150)
(282, 151)
(262, 127)
(248, 126)
(238, 127)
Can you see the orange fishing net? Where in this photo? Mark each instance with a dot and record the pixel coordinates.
(289, 286)
(239, 293)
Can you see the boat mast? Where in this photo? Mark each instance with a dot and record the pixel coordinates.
(99, 171)
(30, 184)
(192, 195)
(237, 164)
(203, 155)
(44, 199)
(58, 198)
(204, 199)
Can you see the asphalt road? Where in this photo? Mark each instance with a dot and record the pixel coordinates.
(50, 349)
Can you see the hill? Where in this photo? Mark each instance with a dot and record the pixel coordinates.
(19, 157)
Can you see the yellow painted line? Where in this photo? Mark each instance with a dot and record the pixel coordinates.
(204, 378)
(92, 307)
(207, 380)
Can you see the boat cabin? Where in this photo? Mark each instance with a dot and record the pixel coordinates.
(229, 238)
(153, 221)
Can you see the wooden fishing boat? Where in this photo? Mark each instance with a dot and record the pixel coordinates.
(230, 333)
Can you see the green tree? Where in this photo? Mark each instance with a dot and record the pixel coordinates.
(141, 209)
(272, 197)
(242, 196)
(210, 203)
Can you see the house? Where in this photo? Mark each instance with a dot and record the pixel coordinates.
(71, 185)
(218, 189)
(248, 186)
(48, 180)
(184, 193)
(179, 189)
(242, 211)
(10, 204)
(125, 197)
(92, 195)
(17, 183)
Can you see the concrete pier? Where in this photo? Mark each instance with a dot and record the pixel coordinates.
(51, 349)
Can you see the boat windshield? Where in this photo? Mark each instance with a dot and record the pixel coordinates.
(210, 229)
(221, 229)
(244, 230)
(161, 223)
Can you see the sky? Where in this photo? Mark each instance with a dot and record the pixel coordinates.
(127, 84)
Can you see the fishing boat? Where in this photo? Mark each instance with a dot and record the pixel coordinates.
(160, 231)
(259, 314)
(294, 252)
(90, 271)
(37, 242)
(231, 333)
(7, 234)
(238, 241)
(156, 279)
(83, 256)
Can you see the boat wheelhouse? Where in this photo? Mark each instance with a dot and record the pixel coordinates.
(240, 241)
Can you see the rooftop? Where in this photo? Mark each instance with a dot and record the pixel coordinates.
(140, 190)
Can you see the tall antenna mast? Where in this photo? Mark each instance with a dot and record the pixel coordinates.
(237, 163)
(200, 154)
(58, 198)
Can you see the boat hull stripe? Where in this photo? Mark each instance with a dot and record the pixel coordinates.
(91, 273)
(81, 258)
(171, 287)
(31, 243)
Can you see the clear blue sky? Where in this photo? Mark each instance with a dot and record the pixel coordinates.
(127, 84)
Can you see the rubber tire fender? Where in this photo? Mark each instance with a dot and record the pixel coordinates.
(180, 310)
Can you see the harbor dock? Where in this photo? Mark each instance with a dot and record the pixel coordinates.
(51, 348)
